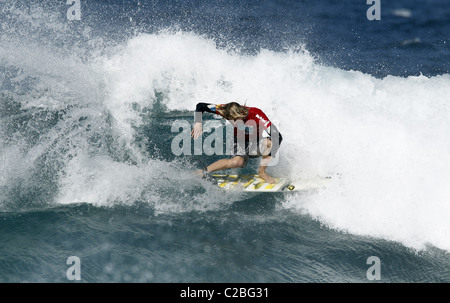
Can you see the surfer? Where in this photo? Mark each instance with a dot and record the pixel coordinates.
(246, 121)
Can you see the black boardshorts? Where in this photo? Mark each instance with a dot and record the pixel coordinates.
(249, 149)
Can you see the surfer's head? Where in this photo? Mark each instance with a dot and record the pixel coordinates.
(232, 111)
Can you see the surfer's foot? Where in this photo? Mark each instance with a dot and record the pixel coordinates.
(204, 174)
(267, 178)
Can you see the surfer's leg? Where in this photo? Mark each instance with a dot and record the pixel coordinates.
(235, 162)
(262, 169)
(238, 159)
(221, 164)
(265, 147)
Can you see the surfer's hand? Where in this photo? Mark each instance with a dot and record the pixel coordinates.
(195, 133)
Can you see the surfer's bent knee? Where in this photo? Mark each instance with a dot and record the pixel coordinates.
(237, 162)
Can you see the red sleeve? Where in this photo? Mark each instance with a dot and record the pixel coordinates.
(261, 117)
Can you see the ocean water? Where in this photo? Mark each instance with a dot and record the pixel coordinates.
(89, 95)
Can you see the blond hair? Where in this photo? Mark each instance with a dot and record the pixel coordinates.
(232, 111)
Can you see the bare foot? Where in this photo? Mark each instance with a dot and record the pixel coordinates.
(267, 178)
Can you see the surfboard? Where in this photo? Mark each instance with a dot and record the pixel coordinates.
(254, 183)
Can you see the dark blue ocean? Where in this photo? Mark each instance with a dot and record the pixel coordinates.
(91, 93)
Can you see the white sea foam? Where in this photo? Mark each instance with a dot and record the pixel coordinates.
(388, 138)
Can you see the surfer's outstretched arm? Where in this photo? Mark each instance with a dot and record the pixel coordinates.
(197, 130)
(199, 109)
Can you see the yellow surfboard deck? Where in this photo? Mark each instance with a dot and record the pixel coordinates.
(254, 183)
